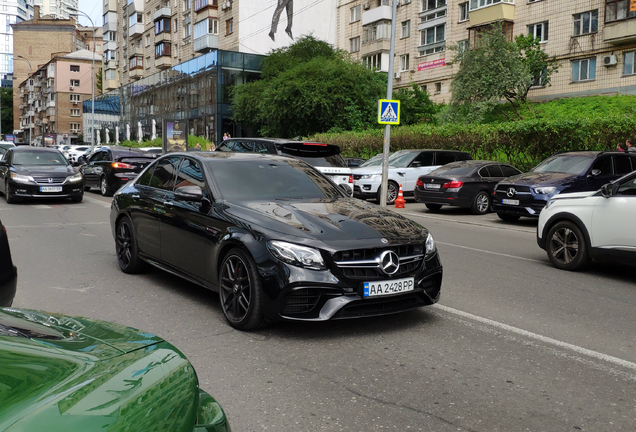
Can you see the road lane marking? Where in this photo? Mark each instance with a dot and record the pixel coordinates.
(579, 350)
(56, 225)
(41, 206)
(505, 227)
(82, 290)
(490, 252)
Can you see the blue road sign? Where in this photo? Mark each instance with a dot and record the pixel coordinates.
(389, 111)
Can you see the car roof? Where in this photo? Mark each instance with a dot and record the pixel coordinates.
(219, 156)
(274, 140)
(34, 149)
(473, 163)
(121, 149)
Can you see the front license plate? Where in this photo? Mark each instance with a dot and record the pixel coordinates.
(382, 288)
(510, 202)
(50, 188)
(431, 186)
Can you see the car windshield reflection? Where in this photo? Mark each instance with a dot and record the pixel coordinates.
(563, 164)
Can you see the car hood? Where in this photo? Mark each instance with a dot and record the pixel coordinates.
(574, 195)
(330, 221)
(377, 169)
(43, 170)
(91, 379)
(535, 179)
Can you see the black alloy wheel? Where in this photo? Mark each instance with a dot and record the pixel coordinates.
(508, 217)
(104, 188)
(481, 203)
(126, 248)
(566, 246)
(240, 292)
(392, 190)
(7, 193)
(433, 207)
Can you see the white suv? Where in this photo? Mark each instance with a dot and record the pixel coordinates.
(576, 227)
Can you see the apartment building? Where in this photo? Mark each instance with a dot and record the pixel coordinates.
(594, 40)
(11, 12)
(59, 9)
(50, 100)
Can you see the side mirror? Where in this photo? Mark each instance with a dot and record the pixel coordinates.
(346, 188)
(595, 173)
(416, 164)
(606, 190)
(189, 193)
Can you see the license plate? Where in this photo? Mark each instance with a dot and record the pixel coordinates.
(50, 188)
(431, 186)
(510, 202)
(382, 288)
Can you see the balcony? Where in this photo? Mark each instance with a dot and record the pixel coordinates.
(163, 37)
(51, 104)
(110, 85)
(137, 51)
(110, 46)
(375, 46)
(163, 12)
(620, 32)
(378, 14)
(202, 5)
(110, 26)
(492, 13)
(163, 62)
(136, 30)
(136, 73)
(206, 43)
(135, 6)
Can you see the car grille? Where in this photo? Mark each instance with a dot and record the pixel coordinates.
(504, 187)
(365, 263)
(44, 180)
(302, 300)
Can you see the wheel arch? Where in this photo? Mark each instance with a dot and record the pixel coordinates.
(560, 217)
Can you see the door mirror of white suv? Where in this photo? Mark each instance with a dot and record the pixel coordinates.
(607, 190)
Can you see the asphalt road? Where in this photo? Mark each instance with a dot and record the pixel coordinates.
(513, 345)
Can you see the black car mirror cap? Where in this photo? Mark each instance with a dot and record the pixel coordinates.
(189, 193)
(346, 188)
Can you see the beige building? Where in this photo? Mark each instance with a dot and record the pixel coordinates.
(143, 37)
(594, 40)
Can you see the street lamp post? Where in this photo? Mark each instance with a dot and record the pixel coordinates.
(76, 11)
(19, 57)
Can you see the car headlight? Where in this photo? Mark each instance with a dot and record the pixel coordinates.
(369, 176)
(430, 245)
(545, 190)
(19, 178)
(296, 255)
(76, 178)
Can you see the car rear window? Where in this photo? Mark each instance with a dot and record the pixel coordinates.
(316, 154)
(462, 170)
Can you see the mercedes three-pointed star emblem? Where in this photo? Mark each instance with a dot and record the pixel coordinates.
(389, 262)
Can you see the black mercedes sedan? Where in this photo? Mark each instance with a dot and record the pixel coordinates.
(112, 167)
(275, 237)
(468, 184)
(38, 172)
(8, 272)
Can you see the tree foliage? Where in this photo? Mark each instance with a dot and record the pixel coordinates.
(6, 111)
(415, 105)
(496, 70)
(306, 88)
(99, 84)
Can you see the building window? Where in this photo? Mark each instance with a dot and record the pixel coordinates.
(433, 35)
(404, 62)
(584, 70)
(355, 14)
(432, 4)
(187, 30)
(187, 4)
(462, 45)
(162, 49)
(477, 4)
(229, 26)
(629, 68)
(75, 127)
(147, 40)
(373, 61)
(99, 47)
(616, 10)
(205, 27)
(376, 31)
(463, 12)
(438, 87)
(586, 22)
(75, 68)
(383, 3)
(75, 98)
(136, 62)
(541, 79)
(75, 83)
(406, 29)
(539, 30)
(354, 44)
(110, 74)
(162, 26)
(148, 62)
(75, 112)
(135, 19)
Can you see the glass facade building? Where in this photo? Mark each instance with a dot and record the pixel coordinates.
(198, 90)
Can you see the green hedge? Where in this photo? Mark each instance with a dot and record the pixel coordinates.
(522, 143)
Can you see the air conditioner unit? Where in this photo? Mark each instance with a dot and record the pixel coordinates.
(71, 88)
(396, 75)
(75, 103)
(366, 6)
(609, 60)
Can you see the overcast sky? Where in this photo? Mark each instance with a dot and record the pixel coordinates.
(93, 8)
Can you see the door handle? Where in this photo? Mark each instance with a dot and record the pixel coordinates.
(168, 203)
(135, 197)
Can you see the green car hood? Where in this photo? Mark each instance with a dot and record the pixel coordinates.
(60, 373)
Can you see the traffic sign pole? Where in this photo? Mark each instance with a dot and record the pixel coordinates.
(387, 128)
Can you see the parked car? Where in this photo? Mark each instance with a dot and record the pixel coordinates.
(325, 157)
(111, 168)
(284, 242)
(8, 272)
(38, 172)
(75, 152)
(405, 166)
(576, 227)
(527, 194)
(64, 373)
(466, 184)
(353, 162)
(155, 151)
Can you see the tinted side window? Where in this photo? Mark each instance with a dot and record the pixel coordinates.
(190, 174)
(424, 158)
(483, 172)
(622, 164)
(144, 179)
(604, 164)
(262, 147)
(495, 171)
(443, 158)
(509, 171)
(240, 146)
(164, 175)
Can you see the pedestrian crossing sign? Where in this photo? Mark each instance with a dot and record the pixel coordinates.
(389, 112)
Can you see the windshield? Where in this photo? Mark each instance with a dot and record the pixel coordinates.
(39, 158)
(401, 160)
(374, 161)
(567, 164)
(268, 180)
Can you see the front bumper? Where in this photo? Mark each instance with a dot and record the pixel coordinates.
(210, 415)
(444, 198)
(23, 190)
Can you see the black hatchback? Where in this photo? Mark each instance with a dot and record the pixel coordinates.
(111, 168)
(526, 194)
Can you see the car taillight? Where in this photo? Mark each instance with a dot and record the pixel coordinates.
(453, 184)
(315, 144)
(121, 165)
(351, 179)
(419, 183)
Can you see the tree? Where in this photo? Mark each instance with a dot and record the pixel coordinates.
(498, 70)
(415, 105)
(6, 113)
(307, 88)
(98, 81)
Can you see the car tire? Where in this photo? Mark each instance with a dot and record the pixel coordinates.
(481, 204)
(566, 246)
(104, 188)
(508, 217)
(433, 207)
(392, 192)
(78, 198)
(7, 193)
(126, 247)
(241, 291)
